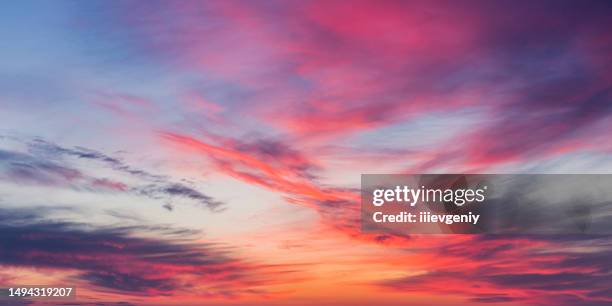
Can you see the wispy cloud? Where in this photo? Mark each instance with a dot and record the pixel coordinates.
(45, 163)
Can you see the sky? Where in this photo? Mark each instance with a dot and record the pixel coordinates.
(210, 152)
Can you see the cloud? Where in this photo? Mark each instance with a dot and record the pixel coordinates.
(275, 166)
(180, 190)
(493, 298)
(566, 270)
(46, 163)
(43, 148)
(117, 260)
(265, 163)
(25, 168)
(127, 282)
(312, 69)
(554, 130)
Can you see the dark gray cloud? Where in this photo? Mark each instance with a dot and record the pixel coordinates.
(128, 282)
(181, 191)
(116, 259)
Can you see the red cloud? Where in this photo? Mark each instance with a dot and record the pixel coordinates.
(280, 171)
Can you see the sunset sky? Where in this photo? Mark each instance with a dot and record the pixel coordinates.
(210, 152)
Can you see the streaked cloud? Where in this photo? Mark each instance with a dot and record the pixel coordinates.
(45, 163)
